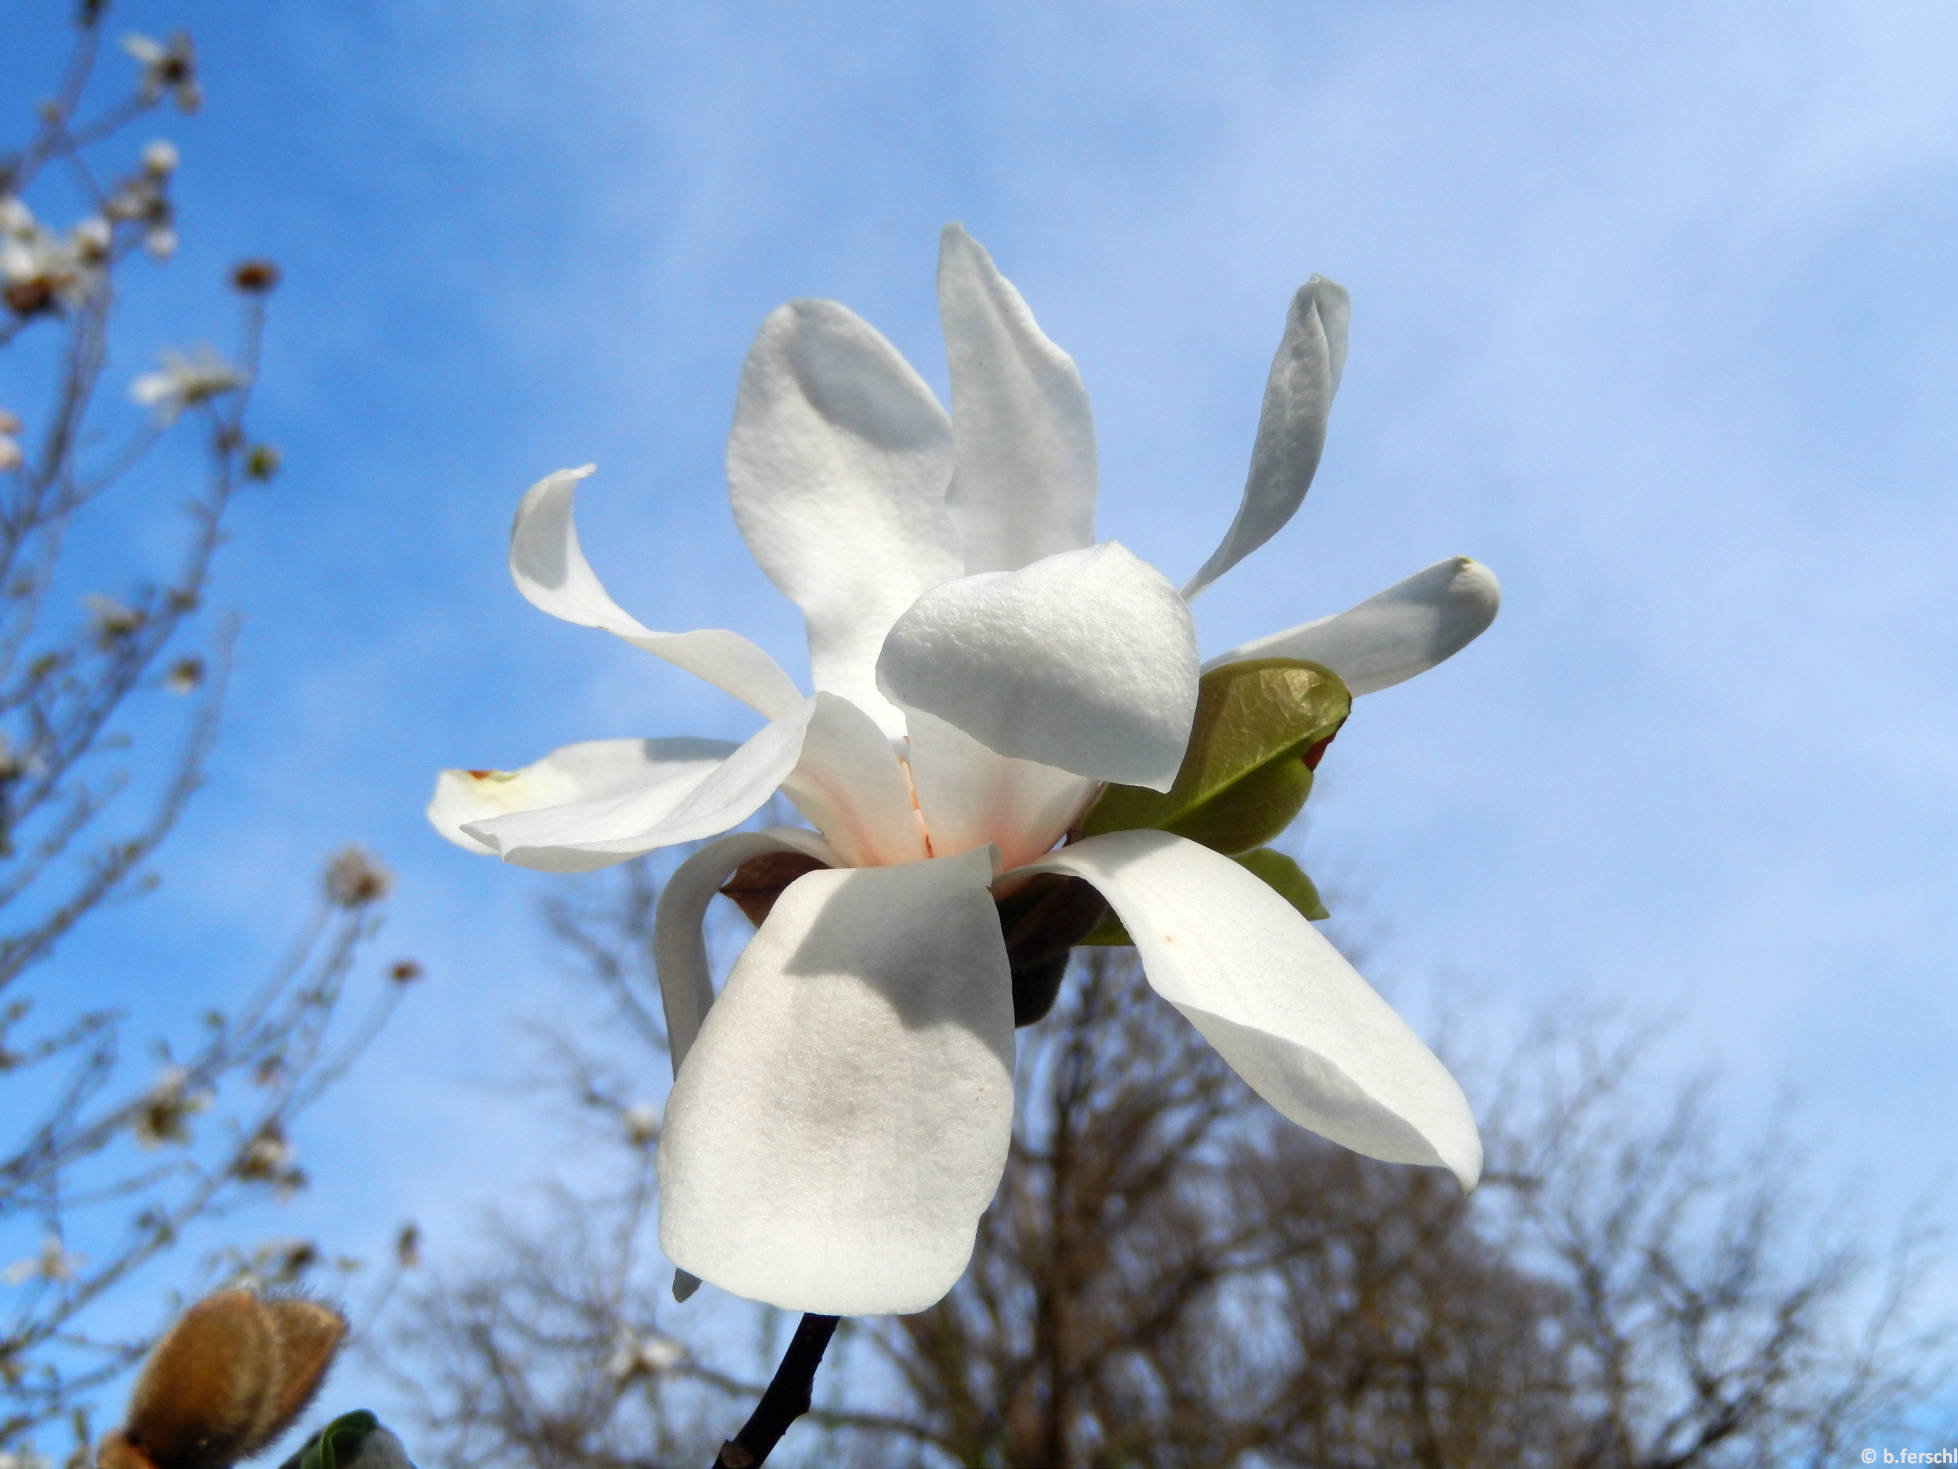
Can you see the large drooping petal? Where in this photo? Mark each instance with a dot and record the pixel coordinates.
(1025, 485)
(1085, 660)
(837, 468)
(1291, 425)
(686, 984)
(550, 569)
(1394, 634)
(1278, 1002)
(849, 786)
(969, 794)
(596, 770)
(843, 1116)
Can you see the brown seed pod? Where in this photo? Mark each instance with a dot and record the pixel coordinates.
(206, 1386)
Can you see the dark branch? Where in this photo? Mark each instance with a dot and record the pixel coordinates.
(787, 1397)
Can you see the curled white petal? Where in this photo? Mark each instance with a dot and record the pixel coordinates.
(837, 468)
(595, 770)
(1085, 660)
(1292, 1017)
(549, 568)
(1291, 425)
(579, 835)
(1394, 634)
(844, 1114)
(1025, 485)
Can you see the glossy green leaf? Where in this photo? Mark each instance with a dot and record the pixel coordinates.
(1284, 876)
(1258, 731)
(352, 1441)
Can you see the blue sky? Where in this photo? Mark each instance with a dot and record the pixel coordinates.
(1650, 314)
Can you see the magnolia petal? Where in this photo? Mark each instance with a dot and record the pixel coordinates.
(1291, 425)
(1278, 1002)
(686, 984)
(843, 1117)
(1085, 660)
(970, 795)
(850, 786)
(1394, 634)
(1025, 486)
(837, 468)
(550, 569)
(579, 835)
(596, 770)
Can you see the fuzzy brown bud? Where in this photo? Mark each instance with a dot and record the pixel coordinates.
(225, 1381)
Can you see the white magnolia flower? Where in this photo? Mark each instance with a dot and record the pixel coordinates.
(159, 158)
(51, 1262)
(641, 1124)
(40, 271)
(164, 1114)
(167, 67)
(185, 380)
(648, 1356)
(840, 1115)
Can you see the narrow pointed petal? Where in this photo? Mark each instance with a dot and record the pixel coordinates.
(1278, 1002)
(1025, 486)
(686, 984)
(1085, 660)
(580, 835)
(843, 1117)
(1291, 425)
(970, 795)
(837, 469)
(849, 785)
(596, 770)
(550, 569)
(1394, 634)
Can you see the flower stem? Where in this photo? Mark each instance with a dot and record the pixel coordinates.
(786, 1399)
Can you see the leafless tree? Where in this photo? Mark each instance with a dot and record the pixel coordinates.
(106, 725)
(1173, 1275)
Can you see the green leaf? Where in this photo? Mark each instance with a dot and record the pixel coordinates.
(1260, 727)
(1284, 876)
(338, 1444)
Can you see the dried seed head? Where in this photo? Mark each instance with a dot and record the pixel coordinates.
(254, 277)
(354, 879)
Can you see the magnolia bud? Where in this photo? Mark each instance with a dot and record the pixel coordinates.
(225, 1381)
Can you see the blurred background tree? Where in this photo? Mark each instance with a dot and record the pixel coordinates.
(120, 1139)
(1173, 1275)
